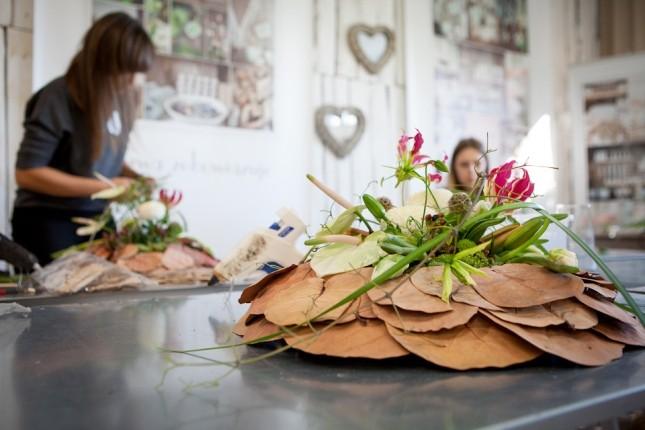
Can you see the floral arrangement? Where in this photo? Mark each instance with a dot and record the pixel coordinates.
(453, 278)
(141, 230)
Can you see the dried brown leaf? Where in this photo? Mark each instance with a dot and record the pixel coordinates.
(293, 304)
(525, 285)
(605, 292)
(143, 262)
(467, 294)
(631, 334)
(429, 281)
(259, 329)
(595, 278)
(336, 288)
(574, 313)
(581, 347)
(407, 296)
(365, 307)
(606, 307)
(423, 322)
(478, 344)
(174, 259)
(240, 326)
(252, 291)
(124, 252)
(534, 316)
(365, 339)
(270, 289)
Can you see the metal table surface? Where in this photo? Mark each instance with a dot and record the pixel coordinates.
(95, 362)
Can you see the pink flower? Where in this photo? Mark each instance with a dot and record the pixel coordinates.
(411, 159)
(434, 177)
(499, 176)
(418, 142)
(403, 145)
(170, 198)
(502, 186)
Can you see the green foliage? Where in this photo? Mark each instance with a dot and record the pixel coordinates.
(465, 244)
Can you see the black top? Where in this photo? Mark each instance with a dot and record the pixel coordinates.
(56, 136)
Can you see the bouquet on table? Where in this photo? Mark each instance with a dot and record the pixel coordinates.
(141, 231)
(453, 278)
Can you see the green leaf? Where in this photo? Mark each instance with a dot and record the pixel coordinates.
(386, 263)
(440, 166)
(471, 251)
(477, 231)
(446, 281)
(340, 257)
(462, 273)
(470, 269)
(341, 223)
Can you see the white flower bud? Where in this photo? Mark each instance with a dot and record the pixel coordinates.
(563, 257)
(151, 210)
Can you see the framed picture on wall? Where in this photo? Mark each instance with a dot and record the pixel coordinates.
(481, 75)
(214, 63)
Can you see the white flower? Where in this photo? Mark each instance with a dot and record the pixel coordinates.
(441, 198)
(481, 206)
(151, 210)
(563, 257)
(409, 218)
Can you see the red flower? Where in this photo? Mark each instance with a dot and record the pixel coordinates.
(170, 198)
(502, 186)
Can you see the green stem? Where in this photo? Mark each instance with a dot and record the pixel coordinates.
(364, 221)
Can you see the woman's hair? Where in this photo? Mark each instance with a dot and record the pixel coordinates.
(99, 77)
(453, 182)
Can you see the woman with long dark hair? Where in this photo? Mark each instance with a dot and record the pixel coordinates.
(76, 126)
(468, 158)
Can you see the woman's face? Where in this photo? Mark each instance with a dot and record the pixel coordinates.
(138, 79)
(467, 166)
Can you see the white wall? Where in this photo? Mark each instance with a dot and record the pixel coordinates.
(233, 180)
(58, 30)
(339, 80)
(15, 77)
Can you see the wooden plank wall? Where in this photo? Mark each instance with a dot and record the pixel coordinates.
(16, 22)
(339, 80)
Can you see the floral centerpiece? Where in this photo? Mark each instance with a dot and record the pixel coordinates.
(141, 230)
(453, 278)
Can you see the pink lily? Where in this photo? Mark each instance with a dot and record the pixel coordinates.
(411, 159)
(499, 176)
(502, 187)
(518, 189)
(170, 198)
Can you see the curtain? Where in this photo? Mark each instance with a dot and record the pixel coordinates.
(621, 26)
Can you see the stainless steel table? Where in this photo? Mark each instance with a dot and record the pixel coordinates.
(94, 362)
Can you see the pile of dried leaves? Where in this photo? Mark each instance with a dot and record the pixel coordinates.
(512, 315)
(179, 263)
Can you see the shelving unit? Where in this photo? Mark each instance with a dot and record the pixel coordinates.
(617, 171)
